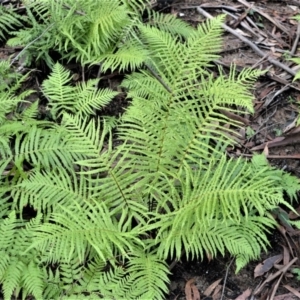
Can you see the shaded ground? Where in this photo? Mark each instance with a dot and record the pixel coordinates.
(272, 129)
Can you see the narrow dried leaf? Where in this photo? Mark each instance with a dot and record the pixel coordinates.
(266, 150)
(217, 293)
(191, 291)
(210, 289)
(188, 289)
(290, 139)
(195, 292)
(286, 255)
(245, 295)
(293, 290)
(284, 297)
(209, 257)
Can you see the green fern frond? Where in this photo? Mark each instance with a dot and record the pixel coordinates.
(136, 280)
(89, 29)
(37, 38)
(169, 23)
(137, 6)
(129, 57)
(225, 210)
(53, 284)
(147, 277)
(96, 280)
(184, 59)
(31, 112)
(132, 52)
(9, 20)
(8, 77)
(13, 275)
(9, 100)
(58, 91)
(82, 99)
(65, 237)
(9, 103)
(92, 139)
(32, 281)
(245, 239)
(18, 270)
(45, 149)
(90, 98)
(44, 191)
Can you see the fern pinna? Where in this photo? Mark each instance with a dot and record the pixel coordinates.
(115, 197)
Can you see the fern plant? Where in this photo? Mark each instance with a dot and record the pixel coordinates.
(9, 20)
(115, 197)
(83, 30)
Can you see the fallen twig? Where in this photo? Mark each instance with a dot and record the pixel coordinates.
(294, 48)
(249, 43)
(225, 279)
(278, 273)
(277, 24)
(239, 21)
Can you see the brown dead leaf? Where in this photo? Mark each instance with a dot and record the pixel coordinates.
(245, 295)
(209, 256)
(210, 289)
(266, 150)
(292, 290)
(217, 293)
(284, 297)
(292, 130)
(191, 291)
(290, 139)
(271, 277)
(265, 92)
(235, 117)
(267, 265)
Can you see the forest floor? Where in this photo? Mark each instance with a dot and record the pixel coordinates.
(264, 36)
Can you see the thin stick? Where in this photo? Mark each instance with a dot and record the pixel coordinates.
(277, 24)
(32, 43)
(225, 279)
(283, 270)
(294, 48)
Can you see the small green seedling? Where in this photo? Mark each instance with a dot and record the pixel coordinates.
(249, 132)
(296, 271)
